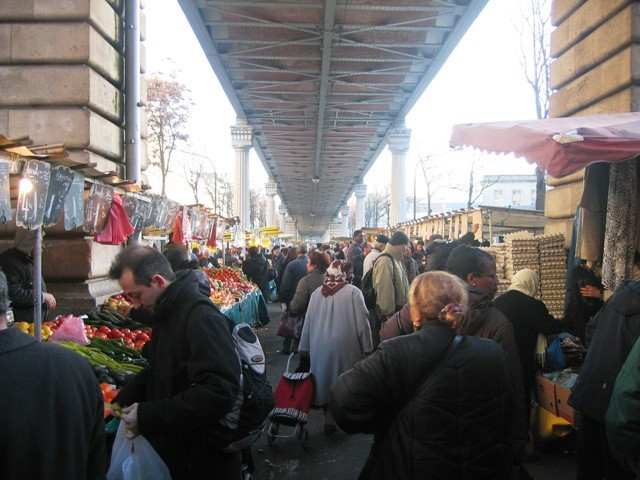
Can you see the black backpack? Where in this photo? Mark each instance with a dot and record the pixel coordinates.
(368, 291)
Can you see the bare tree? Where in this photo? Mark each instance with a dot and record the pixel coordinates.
(193, 173)
(257, 208)
(474, 189)
(377, 207)
(431, 177)
(168, 108)
(535, 60)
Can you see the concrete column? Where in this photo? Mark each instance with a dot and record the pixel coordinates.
(398, 140)
(241, 140)
(271, 189)
(282, 209)
(345, 220)
(361, 193)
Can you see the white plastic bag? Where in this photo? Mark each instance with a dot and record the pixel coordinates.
(135, 460)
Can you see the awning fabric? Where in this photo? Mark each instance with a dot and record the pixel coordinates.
(561, 146)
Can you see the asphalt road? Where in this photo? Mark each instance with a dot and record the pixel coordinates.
(341, 456)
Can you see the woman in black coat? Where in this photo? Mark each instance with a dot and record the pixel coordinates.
(530, 319)
(256, 269)
(411, 414)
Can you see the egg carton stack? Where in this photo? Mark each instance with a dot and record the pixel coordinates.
(521, 252)
(553, 272)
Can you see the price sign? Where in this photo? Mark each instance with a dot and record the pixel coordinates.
(132, 208)
(59, 186)
(74, 203)
(145, 214)
(159, 210)
(173, 212)
(5, 192)
(32, 194)
(97, 207)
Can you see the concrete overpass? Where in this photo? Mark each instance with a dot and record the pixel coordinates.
(321, 87)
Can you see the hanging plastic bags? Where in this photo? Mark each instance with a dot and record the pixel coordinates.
(135, 460)
(118, 228)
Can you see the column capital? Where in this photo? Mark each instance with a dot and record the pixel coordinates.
(398, 138)
(360, 190)
(271, 188)
(241, 134)
(345, 211)
(282, 209)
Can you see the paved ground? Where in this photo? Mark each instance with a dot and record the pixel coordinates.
(341, 456)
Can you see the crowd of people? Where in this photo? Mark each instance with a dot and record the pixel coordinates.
(405, 341)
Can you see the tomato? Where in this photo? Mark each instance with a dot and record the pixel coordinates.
(135, 332)
(104, 329)
(115, 333)
(101, 335)
(138, 345)
(89, 335)
(142, 336)
(125, 331)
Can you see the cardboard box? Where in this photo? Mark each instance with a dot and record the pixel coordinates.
(564, 410)
(546, 394)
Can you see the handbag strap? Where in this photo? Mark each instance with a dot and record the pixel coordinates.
(433, 372)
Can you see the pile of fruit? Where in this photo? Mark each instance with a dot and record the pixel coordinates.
(118, 302)
(46, 330)
(228, 285)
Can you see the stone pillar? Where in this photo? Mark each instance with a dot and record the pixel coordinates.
(241, 140)
(361, 193)
(398, 140)
(344, 210)
(282, 209)
(271, 189)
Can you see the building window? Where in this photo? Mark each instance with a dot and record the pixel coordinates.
(497, 198)
(533, 198)
(516, 197)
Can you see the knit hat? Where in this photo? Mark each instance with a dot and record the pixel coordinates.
(25, 240)
(382, 239)
(399, 238)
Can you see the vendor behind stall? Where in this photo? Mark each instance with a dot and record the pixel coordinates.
(17, 265)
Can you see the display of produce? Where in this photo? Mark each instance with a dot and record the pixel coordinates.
(118, 302)
(228, 285)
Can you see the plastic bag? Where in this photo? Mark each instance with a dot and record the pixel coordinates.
(135, 460)
(71, 330)
(554, 355)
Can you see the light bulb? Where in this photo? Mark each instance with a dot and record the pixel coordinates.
(25, 186)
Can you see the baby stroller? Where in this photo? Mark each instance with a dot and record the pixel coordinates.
(293, 399)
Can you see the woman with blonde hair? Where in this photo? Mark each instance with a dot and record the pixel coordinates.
(438, 404)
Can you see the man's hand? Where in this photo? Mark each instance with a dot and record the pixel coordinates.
(590, 291)
(475, 228)
(49, 300)
(130, 418)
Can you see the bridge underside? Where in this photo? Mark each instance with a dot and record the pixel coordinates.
(322, 82)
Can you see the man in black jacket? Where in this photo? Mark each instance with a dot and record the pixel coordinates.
(51, 419)
(438, 249)
(17, 264)
(193, 376)
(616, 328)
(256, 269)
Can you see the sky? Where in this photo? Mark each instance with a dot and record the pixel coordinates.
(482, 80)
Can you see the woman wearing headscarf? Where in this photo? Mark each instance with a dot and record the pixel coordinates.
(531, 322)
(336, 333)
(438, 409)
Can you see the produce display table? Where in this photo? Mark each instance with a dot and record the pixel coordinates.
(251, 310)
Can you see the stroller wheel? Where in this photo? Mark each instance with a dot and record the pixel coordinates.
(271, 434)
(304, 437)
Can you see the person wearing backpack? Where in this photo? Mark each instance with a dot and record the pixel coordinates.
(193, 378)
(390, 283)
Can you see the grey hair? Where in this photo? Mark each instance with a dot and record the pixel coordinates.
(4, 294)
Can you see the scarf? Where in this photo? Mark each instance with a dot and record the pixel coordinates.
(339, 274)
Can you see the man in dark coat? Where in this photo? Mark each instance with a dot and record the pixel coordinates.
(193, 376)
(256, 269)
(17, 264)
(52, 409)
(278, 263)
(293, 273)
(356, 256)
(616, 329)
(438, 249)
(457, 426)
